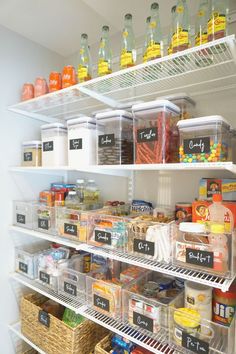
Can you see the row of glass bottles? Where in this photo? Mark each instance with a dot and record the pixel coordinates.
(211, 24)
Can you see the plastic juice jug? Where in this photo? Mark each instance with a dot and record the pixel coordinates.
(221, 218)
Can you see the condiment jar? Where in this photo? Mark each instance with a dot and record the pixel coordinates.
(224, 305)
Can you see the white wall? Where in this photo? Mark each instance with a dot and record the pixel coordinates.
(20, 61)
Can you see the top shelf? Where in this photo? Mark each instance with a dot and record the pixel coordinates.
(162, 76)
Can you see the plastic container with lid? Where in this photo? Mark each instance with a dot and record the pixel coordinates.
(204, 139)
(23, 214)
(32, 153)
(185, 320)
(114, 138)
(81, 141)
(54, 141)
(156, 133)
(184, 102)
(195, 248)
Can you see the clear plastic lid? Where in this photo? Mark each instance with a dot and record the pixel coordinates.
(178, 97)
(192, 227)
(53, 126)
(148, 108)
(32, 143)
(114, 114)
(201, 122)
(81, 120)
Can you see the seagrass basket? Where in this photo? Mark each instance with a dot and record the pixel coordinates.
(104, 346)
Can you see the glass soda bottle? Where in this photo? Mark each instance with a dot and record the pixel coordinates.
(128, 52)
(146, 39)
(85, 64)
(217, 24)
(154, 43)
(181, 36)
(105, 53)
(173, 14)
(201, 36)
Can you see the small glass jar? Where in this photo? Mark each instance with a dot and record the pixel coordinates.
(32, 153)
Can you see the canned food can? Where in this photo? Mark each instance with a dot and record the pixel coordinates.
(54, 81)
(68, 76)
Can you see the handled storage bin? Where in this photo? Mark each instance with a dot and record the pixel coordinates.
(23, 214)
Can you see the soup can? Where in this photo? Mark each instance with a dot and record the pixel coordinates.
(68, 76)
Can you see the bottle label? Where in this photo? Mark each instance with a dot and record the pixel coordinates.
(201, 38)
(126, 59)
(170, 49)
(82, 73)
(153, 24)
(103, 67)
(153, 51)
(180, 37)
(217, 23)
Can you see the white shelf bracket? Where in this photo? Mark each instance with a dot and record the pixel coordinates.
(108, 101)
(131, 186)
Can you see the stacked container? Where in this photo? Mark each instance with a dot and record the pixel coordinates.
(32, 153)
(184, 102)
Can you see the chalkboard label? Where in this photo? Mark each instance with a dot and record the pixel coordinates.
(70, 289)
(44, 277)
(103, 237)
(44, 318)
(70, 229)
(43, 224)
(23, 267)
(28, 156)
(200, 258)
(147, 135)
(143, 321)
(194, 344)
(197, 146)
(48, 146)
(20, 218)
(107, 140)
(76, 144)
(144, 247)
(102, 303)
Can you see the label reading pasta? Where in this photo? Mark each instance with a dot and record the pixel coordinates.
(147, 135)
(193, 344)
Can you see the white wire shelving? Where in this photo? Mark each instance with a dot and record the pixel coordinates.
(155, 343)
(168, 269)
(170, 74)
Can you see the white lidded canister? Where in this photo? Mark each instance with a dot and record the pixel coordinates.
(54, 143)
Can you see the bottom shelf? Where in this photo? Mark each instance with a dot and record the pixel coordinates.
(16, 330)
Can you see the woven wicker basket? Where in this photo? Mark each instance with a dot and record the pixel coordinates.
(58, 337)
(104, 346)
(30, 351)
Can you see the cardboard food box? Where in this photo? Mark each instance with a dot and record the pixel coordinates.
(210, 186)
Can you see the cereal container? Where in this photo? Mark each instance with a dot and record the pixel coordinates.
(81, 141)
(114, 138)
(184, 102)
(205, 139)
(156, 133)
(32, 153)
(54, 140)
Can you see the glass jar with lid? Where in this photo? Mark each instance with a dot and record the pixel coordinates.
(54, 141)
(32, 153)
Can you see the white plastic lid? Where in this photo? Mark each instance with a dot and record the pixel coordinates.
(101, 111)
(196, 286)
(53, 125)
(178, 97)
(81, 120)
(192, 227)
(32, 142)
(157, 104)
(80, 181)
(114, 114)
(193, 122)
(129, 105)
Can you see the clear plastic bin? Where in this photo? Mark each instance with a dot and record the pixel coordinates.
(26, 259)
(233, 145)
(114, 138)
(44, 218)
(32, 153)
(151, 240)
(212, 253)
(205, 139)
(23, 214)
(184, 102)
(188, 334)
(156, 133)
(54, 141)
(82, 141)
(146, 302)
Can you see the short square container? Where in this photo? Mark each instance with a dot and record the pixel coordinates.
(31, 153)
(199, 250)
(44, 218)
(184, 102)
(146, 303)
(205, 139)
(54, 142)
(114, 138)
(26, 259)
(150, 240)
(82, 141)
(23, 214)
(156, 133)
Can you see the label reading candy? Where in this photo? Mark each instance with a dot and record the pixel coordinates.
(147, 135)
(197, 146)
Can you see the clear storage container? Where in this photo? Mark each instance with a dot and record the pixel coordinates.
(197, 249)
(26, 259)
(151, 240)
(23, 214)
(156, 133)
(233, 145)
(44, 218)
(81, 141)
(184, 102)
(205, 139)
(32, 153)
(146, 302)
(54, 141)
(114, 138)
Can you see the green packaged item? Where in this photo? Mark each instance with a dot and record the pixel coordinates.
(71, 318)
